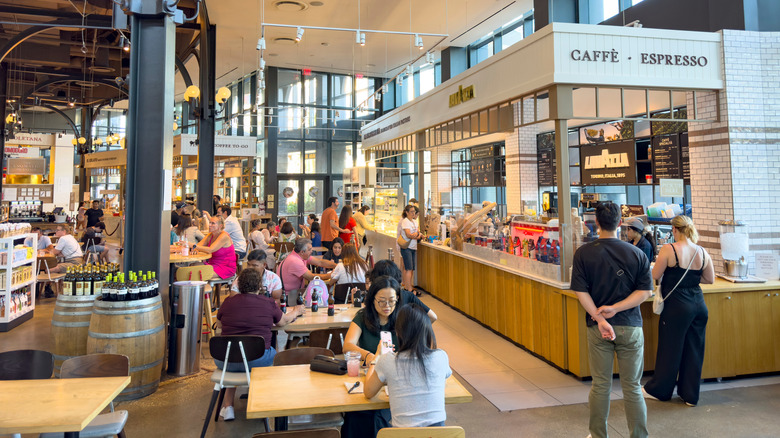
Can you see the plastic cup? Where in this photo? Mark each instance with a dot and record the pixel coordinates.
(353, 363)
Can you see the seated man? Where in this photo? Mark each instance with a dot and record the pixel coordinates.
(293, 270)
(258, 259)
(67, 250)
(43, 241)
(92, 239)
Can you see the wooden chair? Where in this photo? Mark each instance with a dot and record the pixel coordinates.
(26, 365)
(45, 276)
(303, 356)
(282, 248)
(305, 433)
(341, 292)
(98, 365)
(232, 349)
(200, 273)
(429, 432)
(330, 338)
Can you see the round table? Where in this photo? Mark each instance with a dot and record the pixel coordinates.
(192, 258)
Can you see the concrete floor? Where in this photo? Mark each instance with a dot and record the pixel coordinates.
(178, 408)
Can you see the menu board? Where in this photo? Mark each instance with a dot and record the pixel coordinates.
(484, 152)
(483, 172)
(686, 161)
(611, 163)
(545, 163)
(666, 156)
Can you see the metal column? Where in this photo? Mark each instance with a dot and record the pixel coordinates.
(271, 179)
(150, 148)
(3, 99)
(86, 132)
(561, 109)
(208, 41)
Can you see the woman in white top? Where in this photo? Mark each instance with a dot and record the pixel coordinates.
(415, 374)
(258, 239)
(186, 230)
(409, 232)
(287, 233)
(351, 269)
(362, 223)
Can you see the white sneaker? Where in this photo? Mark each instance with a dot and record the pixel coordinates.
(227, 413)
(647, 395)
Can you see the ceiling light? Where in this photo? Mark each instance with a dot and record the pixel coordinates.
(125, 44)
(75, 142)
(72, 103)
(430, 58)
(360, 38)
(192, 92)
(262, 64)
(378, 97)
(82, 140)
(261, 44)
(299, 35)
(418, 42)
(223, 94)
(409, 70)
(385, 88)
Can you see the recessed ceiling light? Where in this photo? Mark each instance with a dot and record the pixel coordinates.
(315, 3)
(370, 65)
(285, 41)
(324, 44)
(290, 5)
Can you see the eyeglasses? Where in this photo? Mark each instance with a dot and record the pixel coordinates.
(383, 303)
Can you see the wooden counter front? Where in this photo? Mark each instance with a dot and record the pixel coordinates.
(743, 332)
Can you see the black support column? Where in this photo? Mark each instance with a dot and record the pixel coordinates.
(86, 132)
(150, 148)
(271, 179)
(3, 99)
(205, 183)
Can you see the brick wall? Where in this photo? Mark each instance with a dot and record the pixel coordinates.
(521, 172)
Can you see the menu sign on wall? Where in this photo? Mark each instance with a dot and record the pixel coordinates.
(612, 163)
(545, 164)
(686, 162)
(666, 156)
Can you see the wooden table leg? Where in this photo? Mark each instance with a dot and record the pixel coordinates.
(280, 424)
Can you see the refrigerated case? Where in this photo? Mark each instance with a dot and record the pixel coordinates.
(388, 206)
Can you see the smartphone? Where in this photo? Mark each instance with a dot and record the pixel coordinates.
(387, 342)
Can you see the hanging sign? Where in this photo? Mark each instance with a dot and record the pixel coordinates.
(113, 158)
(31, 139)
(611, 163)
(224, 145)
(26, 166)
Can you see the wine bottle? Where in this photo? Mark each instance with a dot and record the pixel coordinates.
(106, 289)
(133, 288)
(80, 282)
(67, 286)
(121, 290)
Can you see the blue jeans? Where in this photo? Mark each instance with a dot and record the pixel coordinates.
(410, 257)
(629, 345)
(236, 367)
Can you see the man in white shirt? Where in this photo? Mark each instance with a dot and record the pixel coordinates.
(233, 228)
(67, 249)
(43, 241)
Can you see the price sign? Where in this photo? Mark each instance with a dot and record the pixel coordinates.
(672, 188)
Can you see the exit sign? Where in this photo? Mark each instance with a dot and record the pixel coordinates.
(359, 75)
(307, 72)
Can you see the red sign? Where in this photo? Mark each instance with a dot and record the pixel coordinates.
(359, 75)
(307, 72)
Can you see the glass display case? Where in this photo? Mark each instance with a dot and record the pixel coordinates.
(388, 206)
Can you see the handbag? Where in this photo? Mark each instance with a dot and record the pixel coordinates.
(327, 364)
(403, 243)
(658, 300)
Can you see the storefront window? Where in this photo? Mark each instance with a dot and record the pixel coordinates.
(342, 156)
(316, 157)
(289, 157)
(341, 89)
(482, 52)
(290, 121)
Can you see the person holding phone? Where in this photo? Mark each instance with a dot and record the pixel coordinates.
(415, 375)
(364, 336)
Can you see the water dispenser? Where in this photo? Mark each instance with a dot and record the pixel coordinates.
(735, 248)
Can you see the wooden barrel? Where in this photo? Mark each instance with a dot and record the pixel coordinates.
(135, 329)
(69, 327)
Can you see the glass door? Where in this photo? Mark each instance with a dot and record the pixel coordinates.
(299, 197)
(289, 190)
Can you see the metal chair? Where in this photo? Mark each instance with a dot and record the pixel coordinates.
(26, 365)
(232, 349)
(431, 432)
(330, 338)
(98, 365)
(45, 276)
(303, 356)
(306, 433)
(216, 284)
(341, 292)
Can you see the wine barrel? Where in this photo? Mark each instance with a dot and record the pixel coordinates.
(135, 329)
(69, 327)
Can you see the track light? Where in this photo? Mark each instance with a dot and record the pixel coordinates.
(125, 44)
(72, 102)
(262, 64)
(385, 89)
(430, 58)
(299, 35)
(360, 38)
(261, 44)
(378, 97)
(418, 42)
(409, 70)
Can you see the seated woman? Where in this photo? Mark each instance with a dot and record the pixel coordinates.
(287, 232)
(218, 244)
(415, 374)
(306, 228)
(259, 241)
(378, 315)
(388, 267)
(352, 268)
(186, 230)
(315, 235)
(250, 313)
(334, 254)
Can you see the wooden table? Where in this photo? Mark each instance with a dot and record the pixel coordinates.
(282, 391)
(319, 250)
(312, 321)
(192, 258)
(55, 405)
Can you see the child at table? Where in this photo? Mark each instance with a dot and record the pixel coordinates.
(415, 375)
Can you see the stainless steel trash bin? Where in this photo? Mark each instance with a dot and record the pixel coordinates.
(186, 320)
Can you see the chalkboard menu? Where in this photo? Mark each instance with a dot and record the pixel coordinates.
(486, 166)
(611, 163)
(545, 163)
(666, 156)
(686, 162)
(484, 151)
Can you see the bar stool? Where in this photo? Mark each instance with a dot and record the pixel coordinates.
(200, 273)
(216, 286)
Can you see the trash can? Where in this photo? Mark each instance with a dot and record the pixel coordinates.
(186, 320)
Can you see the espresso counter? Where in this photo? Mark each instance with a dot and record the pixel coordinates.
(545, 317)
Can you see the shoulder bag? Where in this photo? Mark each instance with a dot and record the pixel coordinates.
(658, 300)
(402, 242)
(330, 365)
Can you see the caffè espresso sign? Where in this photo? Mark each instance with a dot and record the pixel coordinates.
(613, 56)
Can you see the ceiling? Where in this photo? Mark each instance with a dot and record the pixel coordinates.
(238, 29)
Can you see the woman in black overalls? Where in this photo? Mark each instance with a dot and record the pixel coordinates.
(683, 321)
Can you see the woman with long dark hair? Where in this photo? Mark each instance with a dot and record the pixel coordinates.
(186, 230)
(409, 232)
(352, 268)
(378, 315)
(347, 222)
(335, 253)
(362, 223)
(415, 374)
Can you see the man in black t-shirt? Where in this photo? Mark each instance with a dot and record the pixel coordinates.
(94, 214)
(611, 279)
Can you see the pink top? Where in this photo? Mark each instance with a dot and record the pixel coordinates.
(291, 271)
(223, 260)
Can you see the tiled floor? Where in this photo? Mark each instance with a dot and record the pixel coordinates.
(511, 378)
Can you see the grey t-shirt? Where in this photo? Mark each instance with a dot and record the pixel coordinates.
(413, 403)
